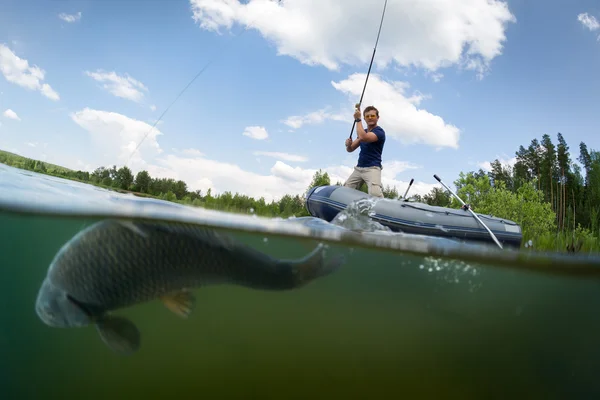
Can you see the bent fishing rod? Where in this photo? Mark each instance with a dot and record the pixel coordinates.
(370, 65)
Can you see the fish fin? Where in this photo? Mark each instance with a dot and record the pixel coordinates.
(314, 266)
(119, 334)
(181, 302)
(134, 227)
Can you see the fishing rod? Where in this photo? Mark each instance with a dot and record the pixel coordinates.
(370, 65)
(468, 208)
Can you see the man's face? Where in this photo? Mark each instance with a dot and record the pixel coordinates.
(371, 118)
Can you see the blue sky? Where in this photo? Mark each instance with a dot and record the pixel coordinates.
(457, 84)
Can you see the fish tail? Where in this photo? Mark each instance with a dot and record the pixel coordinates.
(314, 266)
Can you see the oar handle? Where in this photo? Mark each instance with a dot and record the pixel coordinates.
(408, 188)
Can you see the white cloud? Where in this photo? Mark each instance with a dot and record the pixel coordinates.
(436, 77)
(32, 144)
(282, 156)
(589, 21)
(115, 137)
(193, 152)
(70, 17)
(256, 132)
(18, 71)
(391, 169)
(426, 34)
(11, 114)
(400, 116)
(153, 107)
(315, 117)
(125, 87)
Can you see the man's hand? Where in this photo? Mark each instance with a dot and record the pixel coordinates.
(348, 142)
(357, 113)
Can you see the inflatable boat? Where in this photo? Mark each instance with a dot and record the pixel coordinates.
(325, 202)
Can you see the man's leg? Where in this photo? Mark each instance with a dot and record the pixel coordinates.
(354, 180)
(372, 177)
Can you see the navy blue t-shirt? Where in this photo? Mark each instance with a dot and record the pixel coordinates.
(370, 153)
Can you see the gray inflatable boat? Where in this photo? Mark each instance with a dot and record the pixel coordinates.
(325, 202)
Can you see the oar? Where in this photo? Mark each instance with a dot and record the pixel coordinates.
(466, 207)
(409, 185)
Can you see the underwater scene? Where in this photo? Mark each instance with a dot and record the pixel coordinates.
(272, 308)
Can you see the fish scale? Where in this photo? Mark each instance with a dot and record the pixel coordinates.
(122, 266)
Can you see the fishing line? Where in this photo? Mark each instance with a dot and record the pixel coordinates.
(188, 85)
(370, 65)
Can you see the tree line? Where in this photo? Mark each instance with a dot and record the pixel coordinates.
(545, 191)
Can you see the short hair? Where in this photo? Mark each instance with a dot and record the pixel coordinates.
(369, 108)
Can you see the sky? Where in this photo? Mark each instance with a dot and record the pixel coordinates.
(457, 84)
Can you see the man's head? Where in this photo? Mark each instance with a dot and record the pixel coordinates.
(371, 115)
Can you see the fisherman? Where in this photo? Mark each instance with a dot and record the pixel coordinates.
(371, 141)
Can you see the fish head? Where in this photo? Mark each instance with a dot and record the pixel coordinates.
(56, 308)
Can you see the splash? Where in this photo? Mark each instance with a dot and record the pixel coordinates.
(357, 217)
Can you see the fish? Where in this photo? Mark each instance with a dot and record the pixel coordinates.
(114, 264)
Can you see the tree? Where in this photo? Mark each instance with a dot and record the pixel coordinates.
(471, 187)
(123, 178)
(501, 173)
(390, 192)
(438, 197)
(548, 170)
(142, 182)
(320, 178)
(100, 175)
(565, 179)
(180, 189)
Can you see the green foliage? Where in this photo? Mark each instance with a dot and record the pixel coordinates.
(578, 240)
(471, 188)
(142, 182)
(437, 197)
(320, 179)
(526, 206)
(390, 192)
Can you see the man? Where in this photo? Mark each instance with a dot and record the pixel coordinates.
(371, 141)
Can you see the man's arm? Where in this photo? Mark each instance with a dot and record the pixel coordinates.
(353, 146)
(365, 136)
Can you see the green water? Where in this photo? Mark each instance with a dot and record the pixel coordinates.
(380, 327)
